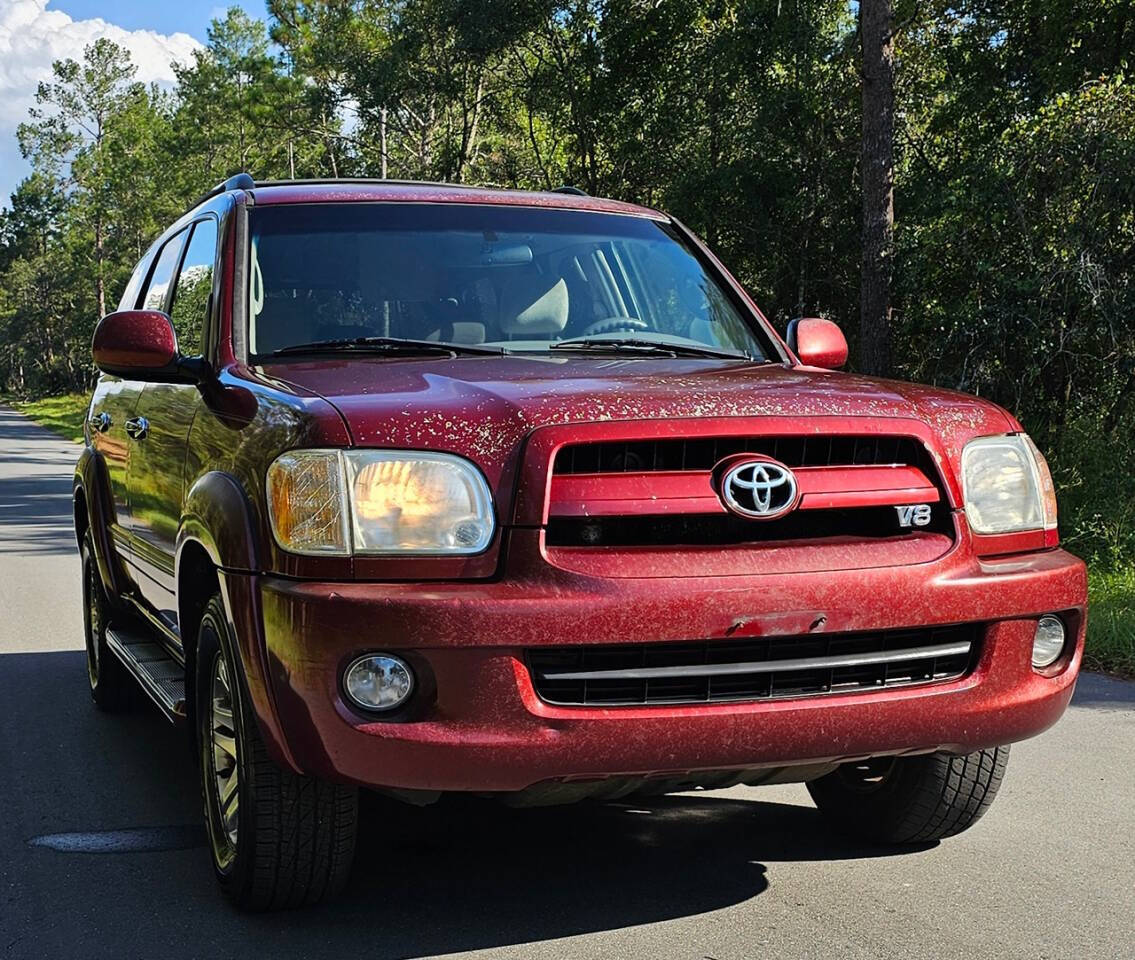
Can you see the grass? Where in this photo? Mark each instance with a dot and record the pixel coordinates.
(63, 415)
(1111, 622)
(1111, 616)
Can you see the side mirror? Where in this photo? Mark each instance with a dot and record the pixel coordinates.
(818, 343)
(142, 345)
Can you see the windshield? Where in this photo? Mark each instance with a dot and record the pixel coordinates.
(517, 278)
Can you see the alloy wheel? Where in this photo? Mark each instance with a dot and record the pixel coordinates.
(94, 625)
(225, 766)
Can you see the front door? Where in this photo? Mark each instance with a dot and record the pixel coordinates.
(112, 405)
(115, 401)
(164, 416)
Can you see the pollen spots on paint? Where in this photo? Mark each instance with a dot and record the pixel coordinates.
(487, 417)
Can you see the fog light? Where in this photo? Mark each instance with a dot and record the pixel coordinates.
(1048, 642)
(378, 682)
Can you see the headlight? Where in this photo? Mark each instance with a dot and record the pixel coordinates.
(341, 502)
(1007, 485)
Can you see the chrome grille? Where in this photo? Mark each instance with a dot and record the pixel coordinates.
(750, 669)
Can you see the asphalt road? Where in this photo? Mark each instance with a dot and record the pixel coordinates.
(101, 851)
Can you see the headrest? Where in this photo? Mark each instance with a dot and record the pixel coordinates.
(460, 331)
(534, 304)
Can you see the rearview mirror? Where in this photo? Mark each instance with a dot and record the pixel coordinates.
(142, 345)
(818, 343)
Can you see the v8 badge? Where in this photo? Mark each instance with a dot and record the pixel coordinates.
(914, 515)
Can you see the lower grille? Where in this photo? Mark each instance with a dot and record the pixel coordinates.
(750, 669)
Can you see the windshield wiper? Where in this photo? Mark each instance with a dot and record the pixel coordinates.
(384, 345)
(640, 344)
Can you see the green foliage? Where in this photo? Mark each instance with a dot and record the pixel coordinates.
(1111, 623)
(64, 414)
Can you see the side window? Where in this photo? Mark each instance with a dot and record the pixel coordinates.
(162, 274)
(194, 284)
(134, 285)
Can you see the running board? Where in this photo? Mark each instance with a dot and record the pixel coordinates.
(162, 677)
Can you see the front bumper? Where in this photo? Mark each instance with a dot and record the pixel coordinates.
(481, 727)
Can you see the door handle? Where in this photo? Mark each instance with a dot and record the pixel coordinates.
(137, 428)
(100, 422)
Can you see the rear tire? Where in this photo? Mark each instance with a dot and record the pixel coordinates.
(911, 799)
(112, 687)
(278, 840)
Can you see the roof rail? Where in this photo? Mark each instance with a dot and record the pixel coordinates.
(378, 180)
(573, 191)
(239, 181)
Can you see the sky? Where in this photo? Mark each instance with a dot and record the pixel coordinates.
(33, 33)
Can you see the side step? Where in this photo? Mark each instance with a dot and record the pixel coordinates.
(162, 677)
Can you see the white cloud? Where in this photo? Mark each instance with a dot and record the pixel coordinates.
(32, 37)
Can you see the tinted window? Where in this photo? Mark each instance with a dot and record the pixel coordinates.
(194, 284)
(130, 295)
(518, 277)
(162, 274)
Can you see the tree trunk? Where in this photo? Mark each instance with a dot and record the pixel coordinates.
(382, 138)
(878, 172)
(100, 256)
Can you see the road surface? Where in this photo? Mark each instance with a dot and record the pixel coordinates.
(102, 855)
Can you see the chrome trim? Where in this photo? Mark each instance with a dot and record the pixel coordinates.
(137, 428)
(768, 666)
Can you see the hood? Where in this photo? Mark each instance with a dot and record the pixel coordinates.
(482, 407)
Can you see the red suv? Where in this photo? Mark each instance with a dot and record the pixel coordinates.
(426, 488)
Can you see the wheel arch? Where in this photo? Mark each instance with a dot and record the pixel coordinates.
(216, 552)
(91, 507)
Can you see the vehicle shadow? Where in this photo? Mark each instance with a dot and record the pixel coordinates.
(499, 876)
(464, 874)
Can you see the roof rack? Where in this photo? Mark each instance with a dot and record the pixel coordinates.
(238, 181)
(244, 181)
(350, 180)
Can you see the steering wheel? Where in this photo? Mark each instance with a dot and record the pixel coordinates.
(614, 325)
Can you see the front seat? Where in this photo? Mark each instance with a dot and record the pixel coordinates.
(533, 306)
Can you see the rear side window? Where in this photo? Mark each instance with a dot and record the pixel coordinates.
(162, 274)
(190, 308)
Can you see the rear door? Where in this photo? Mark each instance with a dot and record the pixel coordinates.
(163, 416)
(115, 399)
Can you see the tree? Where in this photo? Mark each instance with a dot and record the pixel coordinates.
(878, 175)
(238, 109)
(71, 126)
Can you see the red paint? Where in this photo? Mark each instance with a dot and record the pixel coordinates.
(820, 343)
(465, 622)
(488, 731)
(134, 342)
(688, 491)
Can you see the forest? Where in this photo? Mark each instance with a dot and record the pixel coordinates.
(1011, 265)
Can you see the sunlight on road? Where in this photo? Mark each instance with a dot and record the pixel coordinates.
(39, 563)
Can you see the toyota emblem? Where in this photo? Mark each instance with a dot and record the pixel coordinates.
(759, 489)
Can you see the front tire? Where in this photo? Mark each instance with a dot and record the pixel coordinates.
(278, 840)
(112, 687)
(920, 799)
